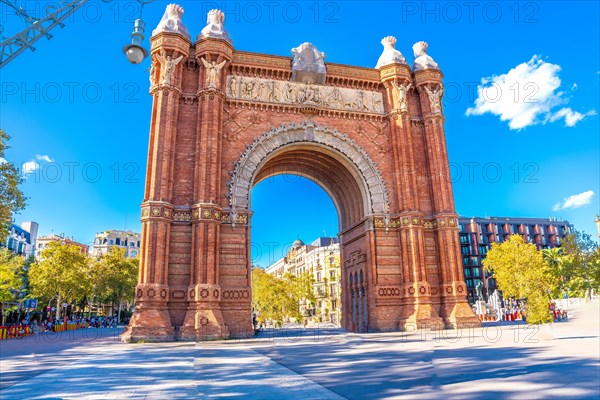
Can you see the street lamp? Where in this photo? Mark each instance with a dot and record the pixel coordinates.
(135, 52)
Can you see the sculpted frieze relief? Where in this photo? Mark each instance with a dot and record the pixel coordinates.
(303, 94)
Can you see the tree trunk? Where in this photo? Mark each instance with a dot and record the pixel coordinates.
(3, 315)
(119, 314)
(58, 307)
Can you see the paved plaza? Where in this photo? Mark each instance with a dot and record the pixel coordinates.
(560, 360)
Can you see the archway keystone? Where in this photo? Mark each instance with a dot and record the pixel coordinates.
(222, 120)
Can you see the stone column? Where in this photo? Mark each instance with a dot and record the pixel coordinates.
(204, 319)
(417, 309)
(455, 311)
(151, 321)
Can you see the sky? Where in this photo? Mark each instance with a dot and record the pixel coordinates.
(521, 106)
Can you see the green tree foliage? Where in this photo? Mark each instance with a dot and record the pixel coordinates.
(522, 272)
(12, 199)
(279, 298)
(115, 276)
(10, 281)
(580, 258)
(60, 274)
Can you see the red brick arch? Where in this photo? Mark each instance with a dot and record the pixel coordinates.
(381, 157)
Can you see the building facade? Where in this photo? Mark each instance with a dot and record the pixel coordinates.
(321, 259)
(476, 236)
(43, 241)
(128, 240)
(22, 239)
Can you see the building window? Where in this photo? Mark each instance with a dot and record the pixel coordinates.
(111, 242)
(332, 274)
(333, 305)
(319, 278)
(476, 271)
(469, 283)
(464, 239)
(467, 272)
(465, 260)
(483, 249)
(464, 250)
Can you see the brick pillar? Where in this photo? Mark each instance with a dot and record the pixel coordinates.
(417, 309)
(455, 310)
(204, 319)
(151, 319)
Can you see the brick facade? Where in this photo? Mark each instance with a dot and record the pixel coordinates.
(386, 170)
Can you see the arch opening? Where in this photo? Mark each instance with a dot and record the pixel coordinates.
(352, 197)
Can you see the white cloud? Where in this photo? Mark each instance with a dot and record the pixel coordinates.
(575, 201)
(574, 87)
(571, 117)
(44, 157)
(30, 167)
(524, 96)
(2, 160)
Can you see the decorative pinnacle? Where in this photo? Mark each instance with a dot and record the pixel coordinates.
(389, 55)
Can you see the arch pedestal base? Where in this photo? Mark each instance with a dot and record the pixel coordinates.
(460, 315)
(420, 316)
(149, 325)
(203, 324)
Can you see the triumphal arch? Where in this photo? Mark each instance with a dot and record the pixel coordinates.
(373, 138)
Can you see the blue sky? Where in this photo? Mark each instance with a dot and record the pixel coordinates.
(79, 113)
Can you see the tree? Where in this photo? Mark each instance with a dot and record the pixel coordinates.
(12, 199)
(115, 277)
(10, 281)
(60, 274)
(560, 269)
(581, 259)
(279, 298)
(522, 272)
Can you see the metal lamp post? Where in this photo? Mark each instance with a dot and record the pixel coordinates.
(135, 51)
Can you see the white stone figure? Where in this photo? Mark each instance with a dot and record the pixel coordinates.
(359, 102)
(399, 93)
(335, 98)
(171, 21)
(289, 94)
(168, 65)
(308, 64)
(376, 102)
(422, 59)
(213, 71)
(246, 88)
(273, 92)
(389, 55)
(435, 98)
(215, 26)
(152, 71)
(254, 88)
(232, 87)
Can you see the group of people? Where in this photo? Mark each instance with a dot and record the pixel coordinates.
(557, 313)
(49, 324)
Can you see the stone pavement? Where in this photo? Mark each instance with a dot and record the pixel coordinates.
(556, 361)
